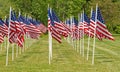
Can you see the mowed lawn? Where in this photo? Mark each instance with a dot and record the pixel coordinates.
(65, 57)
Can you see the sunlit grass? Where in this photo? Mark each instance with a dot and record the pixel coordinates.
(65, 57)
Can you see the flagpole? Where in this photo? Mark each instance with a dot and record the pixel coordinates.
(51, 38)
(17, 51)
(26, 36)
(94, 36)
(50, 47)
(89, 38)
(23, 44)
(81, 37)
(80, 43)
(5, 38)
(6, 43)
(8, 37)
(83, 33)
(72, 31)
(78, 33)
(88, 45)
(50, 42)
(1, 46)
(13, 52)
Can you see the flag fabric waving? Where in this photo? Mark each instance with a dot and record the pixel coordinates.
(12, 30)
(101, 28)
(55, 34)
(59, 25)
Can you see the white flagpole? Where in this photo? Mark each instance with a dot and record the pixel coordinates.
(83, 33)
(13, 52)
(8, 37)
(80, 44)
(81, 37)
(89, 39)
(26, 37)
(51, 39)
(1, 46)
(5, 38)
(23, 44)
(72, 31)
(94, 36)
(76, 45)
(19, 50)
(16, 50)
(50, 47)
(50, 43)
(78, 33)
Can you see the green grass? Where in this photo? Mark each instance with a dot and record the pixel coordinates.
(65, 58)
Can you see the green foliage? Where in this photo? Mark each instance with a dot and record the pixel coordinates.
(117, 29)
(38, 8)
(110, 9)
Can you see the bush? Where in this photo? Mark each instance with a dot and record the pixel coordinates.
(117, 29)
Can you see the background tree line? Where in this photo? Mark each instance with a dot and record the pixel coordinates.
(65, 8)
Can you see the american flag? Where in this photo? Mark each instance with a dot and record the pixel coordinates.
(74, 28)
(42, 27)
(2, 31)
(67, 28)
(12, 29)
(67, 22)
(3, 28)
(101, 27)
(21, 20)
(92, 27)
(20, 31)
(1, 38)
(55, 34)
(31, 29)
(81, 26)
(86, 22)
(59, 25)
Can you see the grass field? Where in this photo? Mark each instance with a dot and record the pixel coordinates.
(65, 58)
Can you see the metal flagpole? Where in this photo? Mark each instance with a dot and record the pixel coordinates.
(13, 52)
(5, 38)
(89, 39)
(17, 51)
(83, 33)
(72, 31)
(23, 44)
(26, 37)
(94, 36)
(88, 45)
(1, 46)
(81, 36)
(78, 34)
(50, 47)
(50, 42)
(68, 38)
(80, 44)
(76, 45)
(8, 37)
